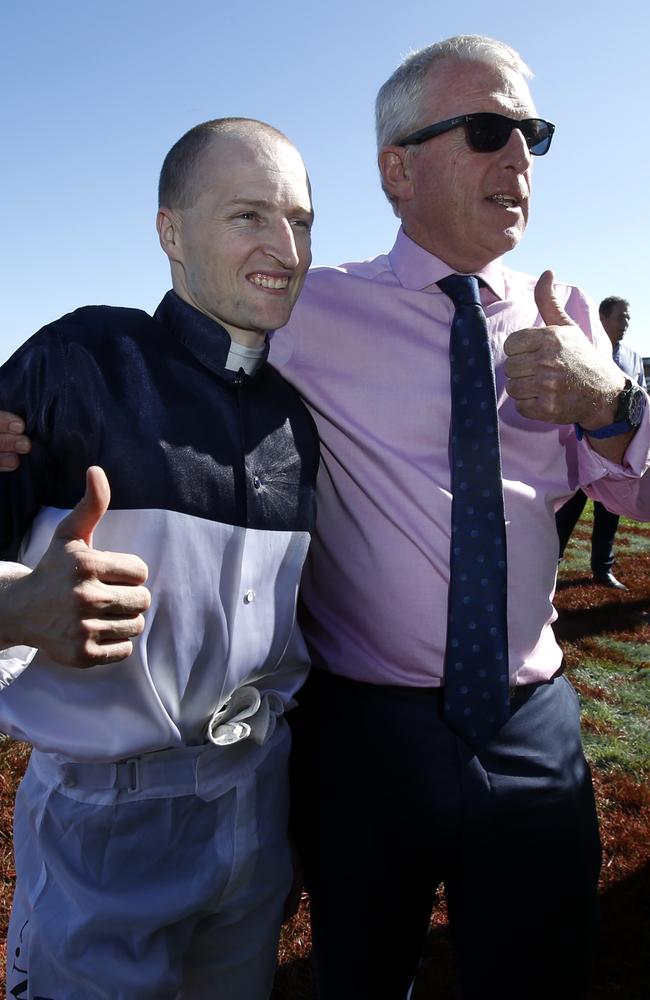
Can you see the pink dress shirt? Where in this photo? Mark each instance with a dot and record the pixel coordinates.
(367, 347)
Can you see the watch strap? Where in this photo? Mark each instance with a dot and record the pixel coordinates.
(611, 430)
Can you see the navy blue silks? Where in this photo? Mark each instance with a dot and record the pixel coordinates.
(477, 698)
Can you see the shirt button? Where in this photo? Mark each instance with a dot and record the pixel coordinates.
(249, 597)
(257, 482)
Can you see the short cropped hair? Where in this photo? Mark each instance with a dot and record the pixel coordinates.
(397, 108)
(606, 306)
(177, 187)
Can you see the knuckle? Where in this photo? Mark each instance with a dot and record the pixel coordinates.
(83, 564)
(117, 652)
(93, 654)
(88, 649)
(86, 630)
(86, 594)
(139, 568)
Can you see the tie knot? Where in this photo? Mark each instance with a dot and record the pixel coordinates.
(462, 289)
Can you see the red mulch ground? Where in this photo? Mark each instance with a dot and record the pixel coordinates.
(623, 970)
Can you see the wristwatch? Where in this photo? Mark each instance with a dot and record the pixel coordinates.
(629, 413)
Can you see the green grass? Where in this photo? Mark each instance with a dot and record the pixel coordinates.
(615, 700)
(634, 652)
(612, 675)
(632, 545)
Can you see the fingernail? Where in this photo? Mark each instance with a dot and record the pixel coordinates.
(16, 427)
(22, 447)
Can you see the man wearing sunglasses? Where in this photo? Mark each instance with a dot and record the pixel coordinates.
(390, 798)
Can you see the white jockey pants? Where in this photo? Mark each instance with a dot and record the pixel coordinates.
(156, 879)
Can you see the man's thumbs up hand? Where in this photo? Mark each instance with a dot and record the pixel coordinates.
(82, 521)
(81, 606)
(555, 374)
(549, 308)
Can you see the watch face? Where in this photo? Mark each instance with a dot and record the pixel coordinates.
(631, 404)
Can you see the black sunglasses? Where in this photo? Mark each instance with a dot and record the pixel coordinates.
(487, 131)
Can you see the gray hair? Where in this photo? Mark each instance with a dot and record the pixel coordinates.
(397, 108)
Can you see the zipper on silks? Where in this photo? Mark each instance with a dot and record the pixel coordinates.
(240, 379)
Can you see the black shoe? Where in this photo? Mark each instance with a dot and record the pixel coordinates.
(607, 579)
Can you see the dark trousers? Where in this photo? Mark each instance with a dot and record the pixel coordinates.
(603, 531)
(388, 803)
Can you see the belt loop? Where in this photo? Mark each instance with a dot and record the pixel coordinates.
(133, 774)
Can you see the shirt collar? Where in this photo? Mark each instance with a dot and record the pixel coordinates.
(415, 268)
(208, 341)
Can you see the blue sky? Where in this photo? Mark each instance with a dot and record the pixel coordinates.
(95, 92)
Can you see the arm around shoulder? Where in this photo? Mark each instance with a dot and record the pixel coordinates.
(13, 441)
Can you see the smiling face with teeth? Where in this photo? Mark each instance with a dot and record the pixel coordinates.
(465, 207)
(241, 251)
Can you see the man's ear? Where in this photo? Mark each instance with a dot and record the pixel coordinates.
(395, 171)
(169, 229)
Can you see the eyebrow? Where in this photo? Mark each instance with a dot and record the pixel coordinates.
(254, 202)
(261, 203)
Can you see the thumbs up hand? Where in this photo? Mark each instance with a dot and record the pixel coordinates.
(81, 606)
(555, 374)
(80, 523)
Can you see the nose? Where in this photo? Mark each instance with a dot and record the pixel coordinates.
(282, 244)
(517, 152)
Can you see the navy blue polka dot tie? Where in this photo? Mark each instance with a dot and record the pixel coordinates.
(476, 694)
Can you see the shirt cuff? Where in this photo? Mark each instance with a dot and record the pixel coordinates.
(14, 659)
(12, 663)
(636, 460)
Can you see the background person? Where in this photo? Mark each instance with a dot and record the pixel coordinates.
(151, 827)
(614, 315)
